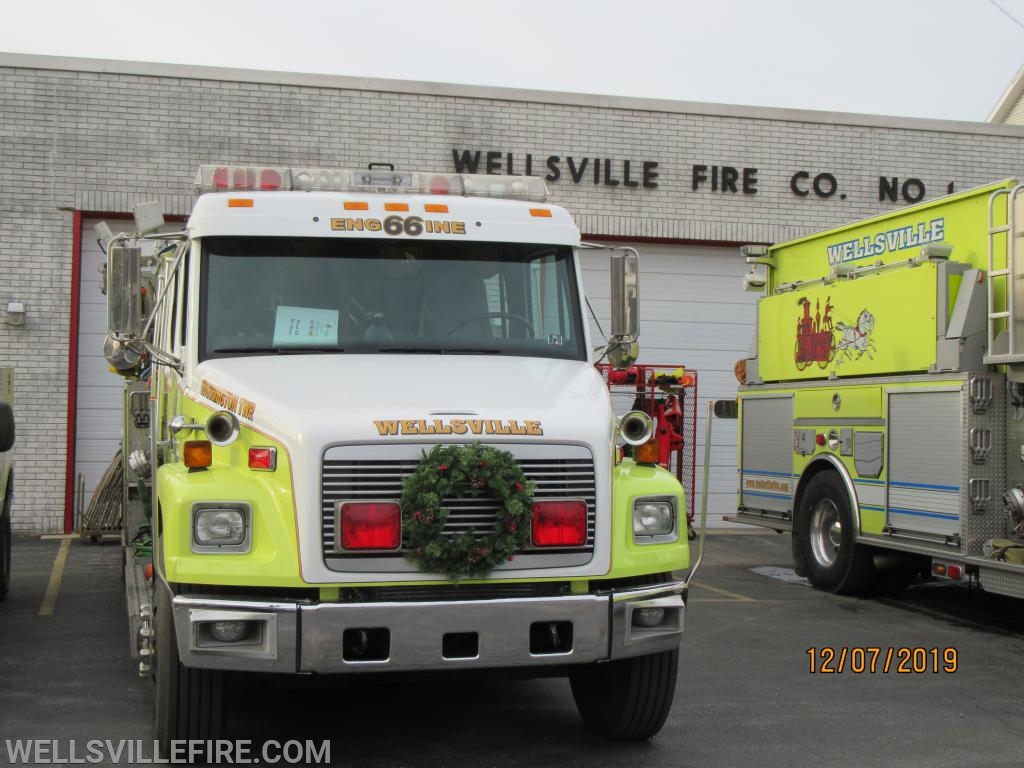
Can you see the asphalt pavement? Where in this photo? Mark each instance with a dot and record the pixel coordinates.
(746, 696)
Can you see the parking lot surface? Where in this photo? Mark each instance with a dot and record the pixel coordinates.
(746, 696)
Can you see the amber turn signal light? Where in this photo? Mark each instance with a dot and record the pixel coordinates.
(197, 454)
(648, 453)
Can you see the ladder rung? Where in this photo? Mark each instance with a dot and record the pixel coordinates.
(998, 315)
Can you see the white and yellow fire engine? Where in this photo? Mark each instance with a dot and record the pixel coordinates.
(308, 338)
(881, 416)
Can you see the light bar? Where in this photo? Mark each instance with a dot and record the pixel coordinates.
(252, 178)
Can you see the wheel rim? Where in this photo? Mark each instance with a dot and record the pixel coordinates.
(826, 532)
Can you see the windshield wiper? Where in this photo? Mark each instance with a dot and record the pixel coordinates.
(276, 350)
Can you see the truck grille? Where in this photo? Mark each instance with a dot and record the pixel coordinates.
(354, 473)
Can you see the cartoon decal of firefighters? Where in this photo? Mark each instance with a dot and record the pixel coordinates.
(819, 339)
(814, 336)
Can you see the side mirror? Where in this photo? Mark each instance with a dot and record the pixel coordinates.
(727, 409)
(124, 284)
(623, 349)
(6, 427)
(625, 276)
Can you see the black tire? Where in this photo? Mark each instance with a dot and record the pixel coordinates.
(826, 538)
(5, 544)
(188, 703)
(628, 699)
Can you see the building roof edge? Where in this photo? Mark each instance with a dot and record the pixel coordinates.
(502, 93)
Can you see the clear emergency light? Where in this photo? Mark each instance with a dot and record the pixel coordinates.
(254, 178)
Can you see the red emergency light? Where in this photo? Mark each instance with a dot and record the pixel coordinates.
(371, 525)
(559, 523)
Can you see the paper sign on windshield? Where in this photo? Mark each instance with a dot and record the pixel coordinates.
(304, 325)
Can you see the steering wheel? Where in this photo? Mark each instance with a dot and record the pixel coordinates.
(489, 316)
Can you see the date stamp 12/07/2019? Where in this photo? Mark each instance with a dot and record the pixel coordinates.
(867, 659)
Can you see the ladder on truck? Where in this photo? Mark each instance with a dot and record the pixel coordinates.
(1005, 344)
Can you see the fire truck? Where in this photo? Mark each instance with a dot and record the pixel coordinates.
(367, 436)
(880, 411)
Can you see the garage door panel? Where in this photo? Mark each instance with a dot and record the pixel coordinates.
(98, 398)
(694, 311)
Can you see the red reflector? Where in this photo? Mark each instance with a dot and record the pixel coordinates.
(270, 179)
(263, 458)
(954, 571)
(371, 525)
(560, 523)
(819, 439)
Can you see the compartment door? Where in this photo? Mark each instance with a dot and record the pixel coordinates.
(766, 458)
(926, 456)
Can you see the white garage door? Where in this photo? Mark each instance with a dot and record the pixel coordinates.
(98, 422)
(693, 311)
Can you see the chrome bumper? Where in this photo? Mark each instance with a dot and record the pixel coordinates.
(473, 634)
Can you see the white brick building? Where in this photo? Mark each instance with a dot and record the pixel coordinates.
(685, 182)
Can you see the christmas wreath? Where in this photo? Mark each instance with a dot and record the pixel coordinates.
(458, 471)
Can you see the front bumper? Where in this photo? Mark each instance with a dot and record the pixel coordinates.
(298, 637)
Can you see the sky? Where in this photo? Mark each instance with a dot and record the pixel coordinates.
(945, 59)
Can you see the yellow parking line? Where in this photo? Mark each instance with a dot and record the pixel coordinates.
(732, 595)
(56, 576)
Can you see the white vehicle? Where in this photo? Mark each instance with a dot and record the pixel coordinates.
(379, 443)
(6, 477)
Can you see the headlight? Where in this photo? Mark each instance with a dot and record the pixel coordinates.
(654, 520)
(219, 528)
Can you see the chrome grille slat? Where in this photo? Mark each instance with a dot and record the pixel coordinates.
(381, 479)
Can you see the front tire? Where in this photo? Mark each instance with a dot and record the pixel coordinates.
(188, 703)
(627, 699)
(826, 538)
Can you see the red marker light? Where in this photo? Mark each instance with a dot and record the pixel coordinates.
(819, 439)
(954, 572)
(263, 458)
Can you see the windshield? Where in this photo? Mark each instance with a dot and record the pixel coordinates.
(363, 296)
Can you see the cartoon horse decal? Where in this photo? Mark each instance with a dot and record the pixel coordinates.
(855, 340)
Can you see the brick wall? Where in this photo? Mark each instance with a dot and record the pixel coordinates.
(101, 136)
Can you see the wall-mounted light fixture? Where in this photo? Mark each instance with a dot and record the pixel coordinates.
(15, 313)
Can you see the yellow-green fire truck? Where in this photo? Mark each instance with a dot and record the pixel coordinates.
(295, 354)
(882, 416)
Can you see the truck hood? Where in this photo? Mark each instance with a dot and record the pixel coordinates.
(314, 404)
(309, 401)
